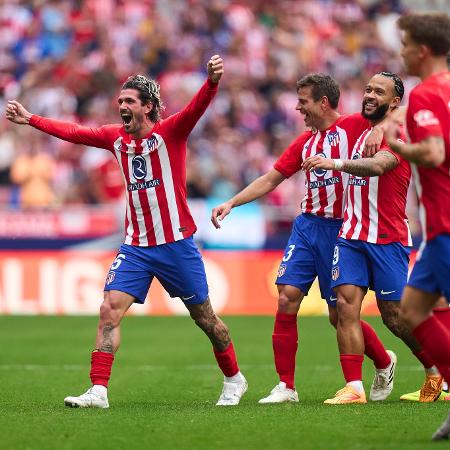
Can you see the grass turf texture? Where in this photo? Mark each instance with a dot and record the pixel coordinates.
(165, 384)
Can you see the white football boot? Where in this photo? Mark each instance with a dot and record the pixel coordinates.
(94, 397)
(280, 394)
(383, 382)
(233, 389)
(443, 432)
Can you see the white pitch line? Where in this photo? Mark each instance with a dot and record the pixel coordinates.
(194, 367)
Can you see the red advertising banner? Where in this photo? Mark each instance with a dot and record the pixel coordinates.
(64, 282)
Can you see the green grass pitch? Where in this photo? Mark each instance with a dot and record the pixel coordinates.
(165, 384)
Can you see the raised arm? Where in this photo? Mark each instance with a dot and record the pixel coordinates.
(185, 120)
(380, 163)
(68, 131)
(256, 189)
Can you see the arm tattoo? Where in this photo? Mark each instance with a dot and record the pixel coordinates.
(107, 343)
(381, 163)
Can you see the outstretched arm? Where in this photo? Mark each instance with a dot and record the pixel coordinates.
(261, 186)
(68, 131)
(382, 162)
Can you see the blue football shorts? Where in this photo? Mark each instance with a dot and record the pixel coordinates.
(177, 265)
(380, 267)
(431, 271)
(309, 253)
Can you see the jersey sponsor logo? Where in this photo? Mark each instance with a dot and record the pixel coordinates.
(353, 179)
(386, 292)
(152, 144)
(333, 138)
(320, 183)
(187, 298)
(281, 270)
(144, 185)
(320, 172)
(425, 118)
(139, 166)
(357, 181)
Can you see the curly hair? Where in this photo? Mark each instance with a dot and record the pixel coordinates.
(148, 92)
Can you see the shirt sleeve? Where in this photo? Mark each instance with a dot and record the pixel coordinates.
(422, 121)
(96, 137)
(385, 148)
(182, 123)
(291, 160)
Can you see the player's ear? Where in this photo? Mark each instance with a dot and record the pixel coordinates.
(324, 102)
(396, 102)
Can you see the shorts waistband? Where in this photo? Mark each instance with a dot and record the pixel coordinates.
(325, 221)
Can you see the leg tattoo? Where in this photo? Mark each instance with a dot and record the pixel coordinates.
(390, 313)
(212, 326)
(107, 341)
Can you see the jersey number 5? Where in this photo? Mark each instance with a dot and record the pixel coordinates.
(118, 261)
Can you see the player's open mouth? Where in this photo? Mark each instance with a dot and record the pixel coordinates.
(126, 118)
(370, 106)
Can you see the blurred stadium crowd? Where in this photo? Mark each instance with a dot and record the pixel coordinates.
(67, 59)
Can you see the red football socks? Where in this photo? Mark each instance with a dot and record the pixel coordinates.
(352, 367)
(374, 348)
(443, 315)
(227, 361)
(101, 363)
(423, 357)
(435, 341)
(285, 344)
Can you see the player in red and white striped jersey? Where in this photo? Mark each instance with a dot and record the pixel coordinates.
(425, 49)
(372, 249)
(151, 153)
(309, 251)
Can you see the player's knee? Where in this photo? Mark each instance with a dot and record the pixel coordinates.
(111, 310)
(288, 303)
(345, 308)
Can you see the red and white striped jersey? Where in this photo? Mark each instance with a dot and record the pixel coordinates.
(375, 210)
(428, 115)
(325, 189)
(153, 169)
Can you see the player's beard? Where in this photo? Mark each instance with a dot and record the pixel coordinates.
(377, 114)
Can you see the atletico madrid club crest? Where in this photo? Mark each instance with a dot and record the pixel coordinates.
(335, 273)
(281, 270)
(110, 277)
(333, 138)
